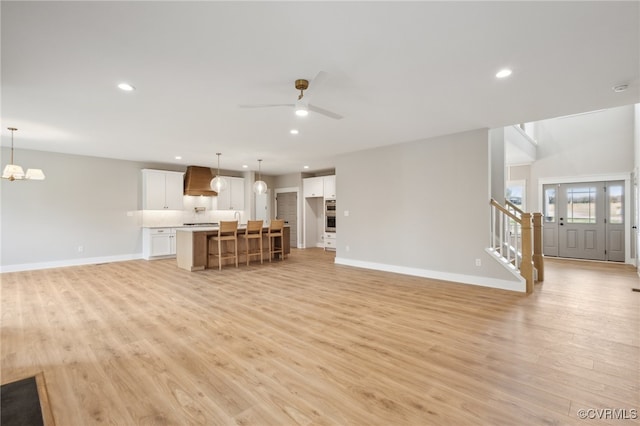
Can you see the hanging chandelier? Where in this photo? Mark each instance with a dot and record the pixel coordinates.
(15, 172)
(260, 186)
(218, 183)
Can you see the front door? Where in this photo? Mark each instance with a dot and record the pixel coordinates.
(581, 221)
(584, 220)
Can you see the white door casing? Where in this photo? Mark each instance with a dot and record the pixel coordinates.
(586, 220)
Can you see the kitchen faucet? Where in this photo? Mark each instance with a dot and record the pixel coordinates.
(236, 216)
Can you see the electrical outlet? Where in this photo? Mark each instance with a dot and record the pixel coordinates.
(478, 262)
(346, 212)
(347, 248)
(80, 249)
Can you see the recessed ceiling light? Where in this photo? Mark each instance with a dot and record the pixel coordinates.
(294, 131)
(178, 157)
(620, 88)
(504, 73)
(305, 167)
(244, 166)
(126, 87)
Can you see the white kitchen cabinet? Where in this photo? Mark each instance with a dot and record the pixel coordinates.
(329, 240)
(232, 198)
(329, 187)
(158, 242)
(313, 187)
(162, 190)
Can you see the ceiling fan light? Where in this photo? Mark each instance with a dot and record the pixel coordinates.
(13, 172)
(302, 110)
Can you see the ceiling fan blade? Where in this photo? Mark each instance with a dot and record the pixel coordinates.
(320, 78)
(325, 112)
(265, 105)
(315, 83)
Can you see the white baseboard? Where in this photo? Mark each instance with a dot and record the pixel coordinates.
(69, 262)
(519, 286)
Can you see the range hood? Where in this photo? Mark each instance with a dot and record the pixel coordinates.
(197, 180)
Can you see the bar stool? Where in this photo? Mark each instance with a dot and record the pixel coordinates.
(276, 231)
(227, 232)
(253, 232)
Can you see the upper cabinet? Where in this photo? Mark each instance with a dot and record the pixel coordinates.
(329, 183)
(232, 198)
(321, 186)
(162, 190)
(313, 187)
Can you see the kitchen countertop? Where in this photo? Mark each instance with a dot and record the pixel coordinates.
(201, 228)
(187, 226)
(213, 228)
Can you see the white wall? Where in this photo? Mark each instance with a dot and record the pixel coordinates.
(84, 201)
(496, 163)
(635, 196)
(636, 136)
(420, 208)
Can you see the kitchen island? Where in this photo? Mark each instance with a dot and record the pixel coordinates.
(192, 253)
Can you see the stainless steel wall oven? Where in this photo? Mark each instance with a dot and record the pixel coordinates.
(330, 216)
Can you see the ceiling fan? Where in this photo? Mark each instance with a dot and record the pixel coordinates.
(302, 105)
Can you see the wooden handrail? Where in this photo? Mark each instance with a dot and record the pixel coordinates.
(505, 211)
(526, 266)
(513, 206)
(538, 256)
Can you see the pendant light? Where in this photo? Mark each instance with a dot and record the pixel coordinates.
(14, 172)
(218, 183)
(259, 186)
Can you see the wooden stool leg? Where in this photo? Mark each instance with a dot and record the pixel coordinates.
(247, 242)
(219, 254)
(235, 246)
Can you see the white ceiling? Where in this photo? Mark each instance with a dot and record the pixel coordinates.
(396, 71)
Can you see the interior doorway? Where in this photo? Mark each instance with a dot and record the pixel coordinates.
(584, 220)
(287, 209)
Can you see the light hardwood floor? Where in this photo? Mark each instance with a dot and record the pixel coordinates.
(306, 341)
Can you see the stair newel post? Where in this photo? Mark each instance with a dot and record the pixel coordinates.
(526, 269)
(538, 257)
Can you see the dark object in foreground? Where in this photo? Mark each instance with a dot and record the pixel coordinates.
(20, 404)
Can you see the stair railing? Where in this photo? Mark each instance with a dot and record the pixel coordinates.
(513, 208)
(512, 240)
